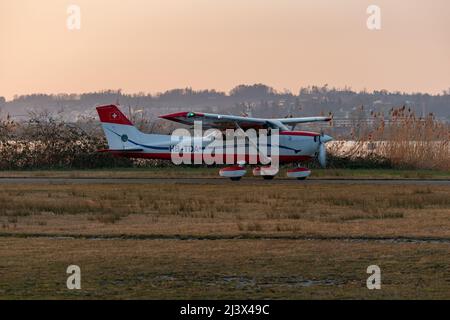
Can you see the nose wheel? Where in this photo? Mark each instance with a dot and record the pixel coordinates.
(299, 173)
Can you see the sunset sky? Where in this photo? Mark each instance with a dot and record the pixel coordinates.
(155, 45)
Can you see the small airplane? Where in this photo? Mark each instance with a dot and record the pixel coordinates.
(125, 140)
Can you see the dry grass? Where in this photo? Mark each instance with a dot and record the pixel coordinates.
(33, 267)
(230, 209)
(204, 172)
(223, 269)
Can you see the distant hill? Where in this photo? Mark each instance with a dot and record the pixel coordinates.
(258, 99)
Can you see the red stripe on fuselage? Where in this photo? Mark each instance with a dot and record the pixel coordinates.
(168, 156)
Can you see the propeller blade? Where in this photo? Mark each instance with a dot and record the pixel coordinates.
(322, 155)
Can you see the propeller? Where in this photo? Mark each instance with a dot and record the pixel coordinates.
(322, 157)
(322, 154)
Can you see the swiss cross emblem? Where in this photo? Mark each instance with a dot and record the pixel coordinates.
(114, 115)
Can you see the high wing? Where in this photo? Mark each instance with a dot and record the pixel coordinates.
(304, 120)
(223, 122)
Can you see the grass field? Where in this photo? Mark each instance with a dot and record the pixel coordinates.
(224, 241)
(228, 269)
(203, 172)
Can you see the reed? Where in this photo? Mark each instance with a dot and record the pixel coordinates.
(399, 140)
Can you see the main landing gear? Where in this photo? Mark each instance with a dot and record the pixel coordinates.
(236, 173)
(268, 173)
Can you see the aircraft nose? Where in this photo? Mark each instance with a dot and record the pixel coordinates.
(326, 138)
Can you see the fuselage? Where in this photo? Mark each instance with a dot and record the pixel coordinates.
(293, 147)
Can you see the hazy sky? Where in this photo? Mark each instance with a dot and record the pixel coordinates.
(154, 45)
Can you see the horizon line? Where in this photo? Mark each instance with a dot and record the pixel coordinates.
(443, 92)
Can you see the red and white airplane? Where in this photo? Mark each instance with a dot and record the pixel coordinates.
(125, 140)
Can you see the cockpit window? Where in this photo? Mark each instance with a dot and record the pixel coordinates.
(191, 115)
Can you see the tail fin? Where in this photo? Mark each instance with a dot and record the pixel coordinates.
(119, 130)
(112, 114)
